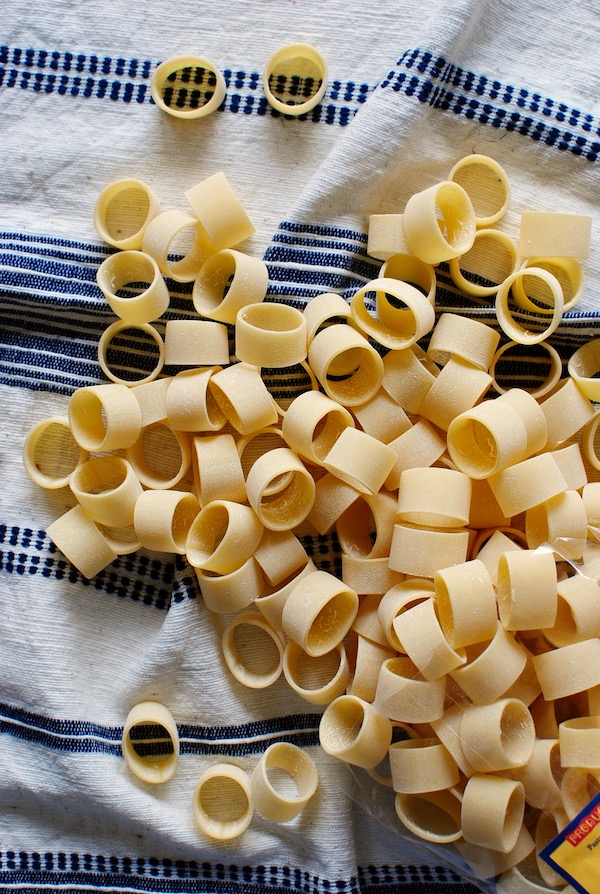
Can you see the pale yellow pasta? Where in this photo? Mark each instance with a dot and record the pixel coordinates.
(165, 231)
(487, 185)
(227, 282)
(123, 211)
(578, 786)
(318, 679)
(162, 519)
(398, 599)
(464, 337)
(422, 765)
(567, 410)
(492, 545)
(560, 521)
(447, 729)
(578, 611)
(122, 540)
(569, 669)
(366, 657)
(152, 399)
(466, 603)
(149, 334)
(51, 454)
(484, 511)
(332, 498)
(527, 483)
(554, 235)
(148, 717)
(222, 803)
(196, 343)
(171, 91)
(487, 863)
(407, 268)
(253, 650)
(271, 335)
(526, 687)
(365, 529)
(457, 388)
(369, 576)
(319, 612)
(367, 622)
(421, 551)
(131, 266)
(419, 630)
(403, 694)
(225, 593)
(220, 212)
(360, 460)
(354, 731)
(271, 600)
(552, 377)
(439, 222)
(107, 488)
(189, 403)
(492, 812)
(81, 542)
(160, 457)
(533, 329)
(590, 495)
(280, 554)
(104, 417)
(399, 323)
(421, 445)
(432, 816)
(434, 496)
(287, 507)
(579, 739)
(324, 310)
(382, 417)
(218, 473)
(385, 236)
(348, 367)
(570, 462)
(223, 535)
(493, 261)
(291, 64)
(589, 433)
(526, 590)
(277, 803)
(407, 377)
(497, 736)
(243, 398)
(491, 667)
(546, 828)
(541, 776)
(569, 273)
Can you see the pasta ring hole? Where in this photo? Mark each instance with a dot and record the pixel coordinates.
(324, 633)
(454, 215)
(515, 725)
(160, 456)
(533, 368)
(255, 649)
(435, 816)
(295, 80)
(56, 454)
(151, 742)
(133, 354)
(189, 88)
(100, 475)
(315, 672)
(126, 212)
(223, 799)
(488, 262)
(484, 186)
(287, 499)
(327, 431)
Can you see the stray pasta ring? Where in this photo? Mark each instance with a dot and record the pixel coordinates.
(123, 211)
(584, 366)
(154, 476)
(348, 367)
(304, 68)
(150, 767)
(195, 97)
(222, 788)
(81, 541)
(219, 211)
(319, 612)
(354, 731)
(519, 332)
(298, 668)
(432, 816)
(260, 678)
(105, 417)
(432, 239)
(43, 429)
(124, 267)
(111, 332)
(551, 379)
(478, 190)
(280, 806)
(162, 519)
(396, 327)
(458, 265)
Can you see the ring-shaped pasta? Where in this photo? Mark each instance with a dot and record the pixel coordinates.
(432, 816)
(270, 334)
(123, 211)
(434, 496)
(567, 411)
(152, 399)
(223, 536)
(196, 343)
(554, 234)
(519, 332)
(526, 590)
(228, 281)
(398, 599)
(271, 600)
(323, 310)
(162, 519)
(201, 86)
(114, 330)
(504, 265)
(464, 337)
(498, 736)
(319, 612)
(486, 183)
(243, 398)
(422, 765)
(408, 268)
(348, 367)
(104, 417)
(222, 803)
(354, 731)
(107, 488)
(160, 462)
(154, 766)
(225, 593)
(466, 603)
(569, 669)
(220, 212)
(398, 323)
(579, 739)
(61, 450)
(81, 541)
(284, 506)
(492, 812)
(318, 679)
(305, 68)
(584, 366)
(268, 647)
(552, 378)
(491, 667)
(162, 235)
(125, 267)
(365, 529)
(439, 222)
(313, 423)
(403, 694)
(190, 405)
(360, 460)
(280, 554)
(283, 806)
(366, 659)
(386, 236)
(568, 272)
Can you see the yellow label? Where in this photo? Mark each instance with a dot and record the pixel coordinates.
(575, 851)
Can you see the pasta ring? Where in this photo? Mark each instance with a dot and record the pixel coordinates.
(170, 69)
(291, 60)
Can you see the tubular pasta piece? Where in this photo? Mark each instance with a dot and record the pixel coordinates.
(578, 612)
(281, 806)
(386, 236)
(491, 544)
(222, 537)
(190, 405)
(418, 629)
(319, 612)
(123, 211)
(123, 268)
(403, 694)
(498, 736)
(354, 731)
(221, 789)
(491, 667)
(294, 66)
(318, 679)
(492, 262)
(422, 765)
(541, 776)
(551, 379)
(156, 444)
(152, 767)
(324, 310)
(419, 446)
(152, 399)
(171, 90)
(369, 576)
(398, 599)
(492, 812)
(218, 470)
(114, 330)
(546, 828)
(399, 323)
(243, 398)
(432, 816)
(484, 511)
(81, 542)
(220, 212)
(526, 687)
(280, 554)
(348, 367)
(527, 589)
(527, 483)
(51, 454)
(271, 335)
(107, 488)
(313, 423)
(521, 332)
(228, 281)
(270, 602)
(570, 462)
(162, 519)
(360, 460)
(164, 231)
(578, 786)
(262, 646)
(332, 498)
(365, 529)
(590, 495)
(407, 377)
(579, 739)
(421, 551)
(590, 431)
(366, 659)
(569, 273)
(486, 184)
(567, 410)
(434, 496)
(104, 417)
(382, 417)
(435, 239)
(488, 863)
(447, 729)
(569, 669)
(122, 540)
(459, 386)
(464, 337)
(554, 235)
(288, 507)
(407, 268)
(225, 593)
(196, 343)
(560, 521)
(367, 623)
(466, 603)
